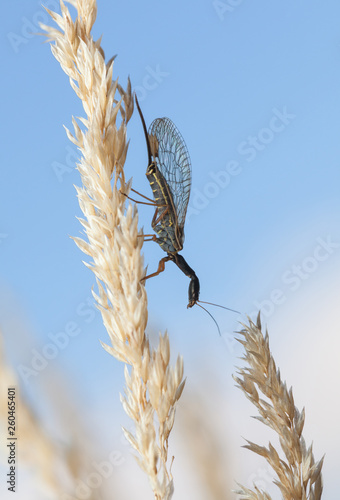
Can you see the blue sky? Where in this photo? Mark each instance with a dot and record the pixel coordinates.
(254, 88)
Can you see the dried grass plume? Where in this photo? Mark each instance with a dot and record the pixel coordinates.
(113, 241)
(298, 475)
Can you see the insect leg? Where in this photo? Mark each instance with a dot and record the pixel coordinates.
(142, 195)
(147, 237)
(161, 267)
(155, 219)
(140, 202)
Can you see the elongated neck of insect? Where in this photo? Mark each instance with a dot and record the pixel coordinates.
(184, 266)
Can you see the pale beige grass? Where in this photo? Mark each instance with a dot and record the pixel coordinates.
(54, 467)
(298, 475)
(114, 243)
(201, 430)
(35, 450)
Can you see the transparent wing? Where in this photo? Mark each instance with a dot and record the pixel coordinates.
(169, 152)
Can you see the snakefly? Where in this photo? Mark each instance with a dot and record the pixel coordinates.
(169, 175)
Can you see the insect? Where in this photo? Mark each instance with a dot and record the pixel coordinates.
(169, 175)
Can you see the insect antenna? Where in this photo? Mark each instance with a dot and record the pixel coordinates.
(217, 305)
(212, 317)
